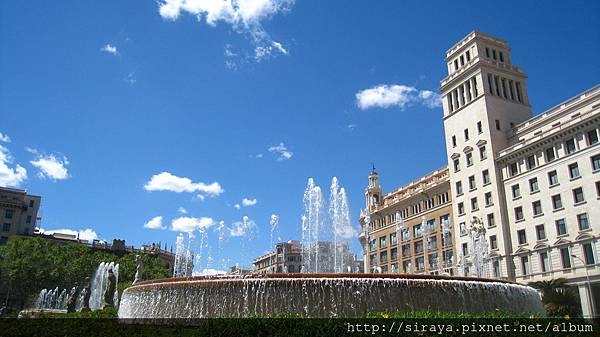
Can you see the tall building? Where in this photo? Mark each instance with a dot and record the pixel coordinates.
(525, 190)
(18, 212)
(409, 230)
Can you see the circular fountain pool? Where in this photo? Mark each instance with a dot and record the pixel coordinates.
(322, 295)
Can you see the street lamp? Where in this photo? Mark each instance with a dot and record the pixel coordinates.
(589, 284)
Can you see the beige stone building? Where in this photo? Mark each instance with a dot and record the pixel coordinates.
(287, 257)
(409, 230)
(18, 213)
(525, 190)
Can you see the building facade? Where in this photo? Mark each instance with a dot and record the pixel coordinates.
(18, 213)
(524, 191)
(286, 258)
(410, 229)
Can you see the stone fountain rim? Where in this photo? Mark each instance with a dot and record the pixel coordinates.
(298, 276)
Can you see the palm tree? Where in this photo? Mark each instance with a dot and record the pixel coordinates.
(558, 297)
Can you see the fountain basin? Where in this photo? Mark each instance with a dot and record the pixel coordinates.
(322, 295)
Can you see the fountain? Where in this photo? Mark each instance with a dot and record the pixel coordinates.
(100, 283)
(321, 290)
(52, 299)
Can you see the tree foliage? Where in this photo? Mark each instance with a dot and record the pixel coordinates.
(558, 297)
(29, 264)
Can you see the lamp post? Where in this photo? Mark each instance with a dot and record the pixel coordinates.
(589, 284)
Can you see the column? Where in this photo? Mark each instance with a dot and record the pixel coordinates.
(584, 296)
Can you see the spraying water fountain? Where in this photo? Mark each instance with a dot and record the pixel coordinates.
(100, 284)
(323, 289)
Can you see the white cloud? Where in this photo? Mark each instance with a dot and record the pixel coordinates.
(282, 151)
(244, 16)
(165, 181)
(182, 210)
(385, 96)
(155, 223)
(86, 234)
(50, 166)
(9, 176)
(346, 232)
(189, 224)
(249, 202)
(108, 48)
(352, 127)
(237, 206)
(200, 197)
(4, 138)
(242, 228)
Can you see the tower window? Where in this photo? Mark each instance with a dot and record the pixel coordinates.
(497, 87)
(462, 60)
(487, 52)
(456, 65)
(475, 86)
(490, 84)
(466, 134)
(479, 127)
(468, 53)
(450, 105)
(501, 56)
(494, 54)
(497, 124)
(504, 88)
(511, 90)
(453, 141)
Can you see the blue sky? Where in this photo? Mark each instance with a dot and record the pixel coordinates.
(97, 98)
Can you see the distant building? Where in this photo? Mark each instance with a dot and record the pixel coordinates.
(18, 212)
(410, 229)
(286, 258)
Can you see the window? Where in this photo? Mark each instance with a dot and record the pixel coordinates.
(463, 228)
(28, 219)
(592, 137)
(598, 188)
(588, 253)
(418, 231)
(496, 269)
(561, 227)
(550, 155)
(578, 195)
(531, 162)
(557, 202)
(537, 208)
(513, 169)
(565, 258)
(525, 265)
(31, 203)
(574, 171)
(456, 165)
(479, 127)
(596, 162)
(544, 262)
(533, 185)
(9, 214)
(553, 178)
(466, 134)
(540, 232)
(501, 56)
(461, 208)
(459, 189)
(583, 221)
(490, 219)
(453, 141)
(494, 54)
(469, 159)
(486, 177)
(465, 249)
(516, 191)
(498, 124)
(474, 205)
(519, 213)
(419, 247)
(570, 146)
(487, 52)
(493, 242)
(482, 153)
(522, 237)
(472, 185)
(468, 54)
(6, 227)
(488, 199)
(382, 242)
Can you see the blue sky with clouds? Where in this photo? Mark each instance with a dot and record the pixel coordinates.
(121, 112)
